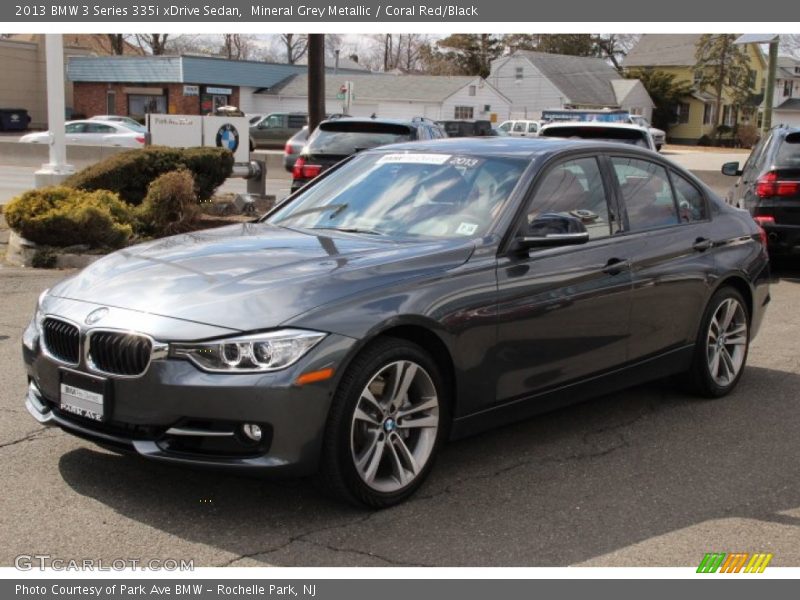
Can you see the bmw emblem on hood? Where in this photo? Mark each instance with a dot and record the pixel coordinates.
(94, 316)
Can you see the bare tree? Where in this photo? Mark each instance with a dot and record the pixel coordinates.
(295, 45)
(116, 42)
(615, 46)
(236, 46)
(153, 43)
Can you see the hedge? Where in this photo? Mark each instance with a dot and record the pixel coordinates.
(170, 205)
(130, 173)
(63, 216)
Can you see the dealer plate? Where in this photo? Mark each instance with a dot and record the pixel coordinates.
(83, 395)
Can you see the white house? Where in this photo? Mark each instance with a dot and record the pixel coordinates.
(388, 96)
(535, 81)
(786, 98)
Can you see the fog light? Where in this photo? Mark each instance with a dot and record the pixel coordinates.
(252, 431)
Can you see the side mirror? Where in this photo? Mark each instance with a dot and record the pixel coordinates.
(552, 229)
(731, 169)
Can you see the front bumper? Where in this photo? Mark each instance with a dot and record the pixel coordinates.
(179, 414)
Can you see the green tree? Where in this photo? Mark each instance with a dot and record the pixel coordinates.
(665, 92)
(464, 53)
(722, 66)
(574, 44)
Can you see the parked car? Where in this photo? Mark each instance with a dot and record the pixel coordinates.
(416, 292)
(14, 119)
(624, 133)
(93, 133)
(466, 127)
(768, 186)
(521, 128)
(659, 135)
(127, 121)
(275, 129)
(293, 148)
(335, 140)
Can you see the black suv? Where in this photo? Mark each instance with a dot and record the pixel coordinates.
(336, 139)
(769, 187)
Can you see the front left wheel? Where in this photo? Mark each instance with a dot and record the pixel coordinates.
(386, 424)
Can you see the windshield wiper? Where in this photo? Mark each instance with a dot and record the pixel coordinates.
(336, 208)
(352, 230)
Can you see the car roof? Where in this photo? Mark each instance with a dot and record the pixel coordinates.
(409, 122)
(509, 147)
(592, 124)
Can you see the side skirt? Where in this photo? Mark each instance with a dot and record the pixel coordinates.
(670, 363)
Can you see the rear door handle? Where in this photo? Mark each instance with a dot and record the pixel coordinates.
(702, 244)
(615, 266)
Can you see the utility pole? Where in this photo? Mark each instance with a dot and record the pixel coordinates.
(766, 124)
(316, 80)
(57, 170)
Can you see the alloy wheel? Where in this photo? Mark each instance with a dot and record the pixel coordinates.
(726, 342)
(394, 426)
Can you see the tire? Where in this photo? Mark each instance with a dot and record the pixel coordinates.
(719, 361)
(379, 448)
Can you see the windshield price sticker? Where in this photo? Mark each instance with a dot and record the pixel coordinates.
(420, 159)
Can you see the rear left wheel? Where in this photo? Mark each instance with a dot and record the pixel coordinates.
(722, 345)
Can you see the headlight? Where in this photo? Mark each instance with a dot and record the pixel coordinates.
(38, 316)
(260, 352)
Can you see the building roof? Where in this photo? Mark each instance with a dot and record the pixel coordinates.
(663, 50)
(94, 42)
(583, 80)
(792, 104)
(179, 69)
(786, 67)
(623, 87)
(420, 88)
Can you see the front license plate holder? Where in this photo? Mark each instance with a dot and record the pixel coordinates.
(85, 396)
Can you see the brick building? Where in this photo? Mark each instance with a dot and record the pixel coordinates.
(192, 85)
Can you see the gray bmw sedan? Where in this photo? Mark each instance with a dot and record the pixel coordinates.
(414, 293)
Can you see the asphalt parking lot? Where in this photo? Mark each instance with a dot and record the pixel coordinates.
(648, 477)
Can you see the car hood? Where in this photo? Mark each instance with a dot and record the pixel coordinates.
(253, 275)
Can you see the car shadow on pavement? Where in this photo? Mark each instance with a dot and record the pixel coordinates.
(554, 490)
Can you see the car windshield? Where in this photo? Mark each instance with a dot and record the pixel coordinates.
(133, 126)
(407, 195)
(599, 134)
(345, 138)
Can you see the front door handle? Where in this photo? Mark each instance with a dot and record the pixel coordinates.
(615, 266)
(702, 244)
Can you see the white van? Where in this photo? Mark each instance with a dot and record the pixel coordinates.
(521, 128)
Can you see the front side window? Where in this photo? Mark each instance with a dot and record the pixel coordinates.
(533, 128)
(519, 127)
(575, 188)
(407, 195)
(646, 192)
(75, 127)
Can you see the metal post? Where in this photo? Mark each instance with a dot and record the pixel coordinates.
(55, 171)
(769, 93)
(316, 80)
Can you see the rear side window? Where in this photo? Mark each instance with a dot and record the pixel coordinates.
(342, 138)
(297, 121)
(691, 203)
(533, 128)
(788, 154)
(519, 127)
(646, 192)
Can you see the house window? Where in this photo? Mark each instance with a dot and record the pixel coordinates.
(698, 75)
(708, 114)
(787, 88)
(473, 90)
(683, 112)
(463, 112)
(139, 105)
(727, 115)
(751, 79)
(518, 73)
